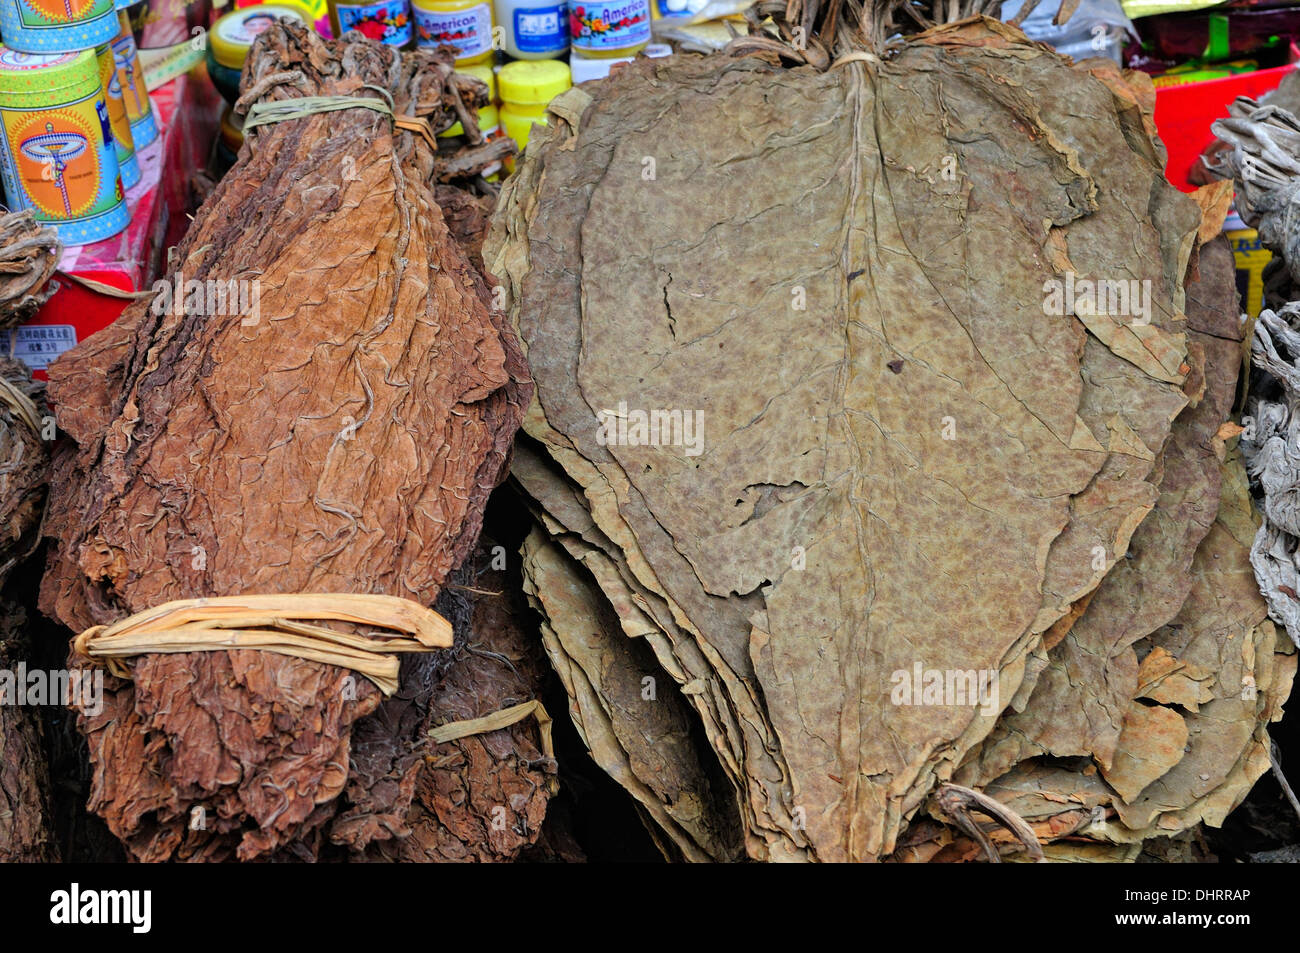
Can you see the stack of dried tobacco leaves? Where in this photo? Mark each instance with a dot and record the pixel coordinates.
(24, 460)
(29, 253)
(28, 257)
(338, 431)
(25, 830)
(879, 394)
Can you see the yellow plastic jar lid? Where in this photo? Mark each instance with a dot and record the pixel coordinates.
(533, 82)
(233, 34)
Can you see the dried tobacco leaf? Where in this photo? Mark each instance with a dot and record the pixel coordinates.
(1148, 588)
(483, 797)
(467, 217)
(940, 437)
(25, 832)
(343, 438)
(24, 462)
(641, 737)
(29, 254)
(1189, 634)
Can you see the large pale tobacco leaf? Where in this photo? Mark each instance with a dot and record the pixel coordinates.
(1149, 587)
(1187, 633)
(929, 474)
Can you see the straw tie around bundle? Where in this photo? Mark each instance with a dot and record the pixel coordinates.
(275, 623)
(267, 112)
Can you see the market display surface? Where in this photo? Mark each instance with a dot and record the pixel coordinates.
(832, 432)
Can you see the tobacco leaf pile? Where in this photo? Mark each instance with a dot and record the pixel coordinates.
(483, 797)
(909, 458)
(25, 831)
(343, 438)
(29, 254)
(24, 462)
(1182, 669)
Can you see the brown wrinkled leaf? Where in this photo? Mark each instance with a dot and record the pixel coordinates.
(1172, 681)
(24, 462)
(480, 798)
(346, 440)
(29, 254)
(1215, 200)
(1150, 743)
(26, 835)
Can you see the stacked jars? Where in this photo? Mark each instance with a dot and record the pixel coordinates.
(135, 94)
(536, 33)
(68, 152)
(527, 87)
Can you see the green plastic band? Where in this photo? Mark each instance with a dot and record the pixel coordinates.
(265, 113)
(1218, 47)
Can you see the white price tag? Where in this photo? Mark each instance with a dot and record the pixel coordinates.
(37, 345)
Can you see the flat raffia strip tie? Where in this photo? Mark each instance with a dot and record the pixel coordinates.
(274, 623)
(266, 112)
(498, 719)
(455, 730)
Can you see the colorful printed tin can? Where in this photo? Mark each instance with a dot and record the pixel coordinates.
(57, 26)
(120, 125)
(144, 127)
(388, 21)
(57, 155)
